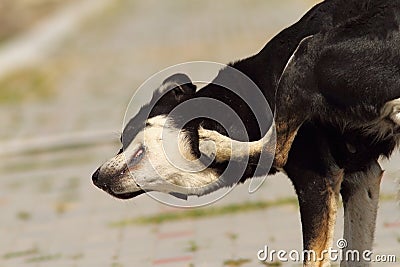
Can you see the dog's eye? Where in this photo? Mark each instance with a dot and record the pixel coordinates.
(139, 153)
(137, 157)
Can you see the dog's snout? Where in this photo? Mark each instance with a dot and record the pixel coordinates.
(95, 176)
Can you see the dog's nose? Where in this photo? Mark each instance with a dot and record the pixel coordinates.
(95, 176)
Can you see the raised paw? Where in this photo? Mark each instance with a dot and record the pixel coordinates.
(207, 147)
(392, 110)
(215, 145)
(396, 114)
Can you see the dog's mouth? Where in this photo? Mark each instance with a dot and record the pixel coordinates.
(108, 188)
(125, 195)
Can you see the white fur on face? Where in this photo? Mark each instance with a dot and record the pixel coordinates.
(168, 164)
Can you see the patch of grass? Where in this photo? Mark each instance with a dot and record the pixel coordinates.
(192, 247)
(76, 257)
(63, 147)
(34, 165)
(235, 263)
(73, 184)
(22, 253)
(116, 264)
(69, 196)
(26, 84)
(24, 216)
(232, 236)
(20, 167)
(272, 264)
(205, 212)
(44, 258)
(62, 207)
(70, 192)
(15, 185)
(45, 185)
(387, 197)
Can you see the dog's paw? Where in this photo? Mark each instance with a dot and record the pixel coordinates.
(207, 142)
(396, 114)
(207, 147)
(206, 135)
(392, 110)
(214, 136)
(215, 145)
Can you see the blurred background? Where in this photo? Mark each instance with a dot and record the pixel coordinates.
(67, 72)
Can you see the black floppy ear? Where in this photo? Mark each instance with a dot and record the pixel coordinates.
(173, 91)
(180, 86)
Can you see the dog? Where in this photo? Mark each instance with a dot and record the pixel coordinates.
(332, 81)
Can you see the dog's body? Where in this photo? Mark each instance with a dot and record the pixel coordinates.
(333, 80)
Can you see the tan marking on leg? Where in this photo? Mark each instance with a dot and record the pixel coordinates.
(285, 137)
(324, 238)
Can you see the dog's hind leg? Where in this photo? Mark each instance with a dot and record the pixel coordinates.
(360, 193)
(296, 99)
(317, 181)
(295, 102)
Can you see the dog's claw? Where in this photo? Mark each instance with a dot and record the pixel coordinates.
(215, 145)
(207, 147)
(396, 114)
(207, 143)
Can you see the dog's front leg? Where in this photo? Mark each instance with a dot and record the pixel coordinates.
(360, 193)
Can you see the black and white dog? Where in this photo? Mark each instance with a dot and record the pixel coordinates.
(333, 80)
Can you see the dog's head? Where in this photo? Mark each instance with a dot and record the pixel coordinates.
(160, 145)
(157, 153)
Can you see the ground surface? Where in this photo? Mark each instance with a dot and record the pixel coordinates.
(61, 119)
(17, 16)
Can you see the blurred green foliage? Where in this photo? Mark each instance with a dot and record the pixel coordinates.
(205, 212)
(236, 262)
(25, 85)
